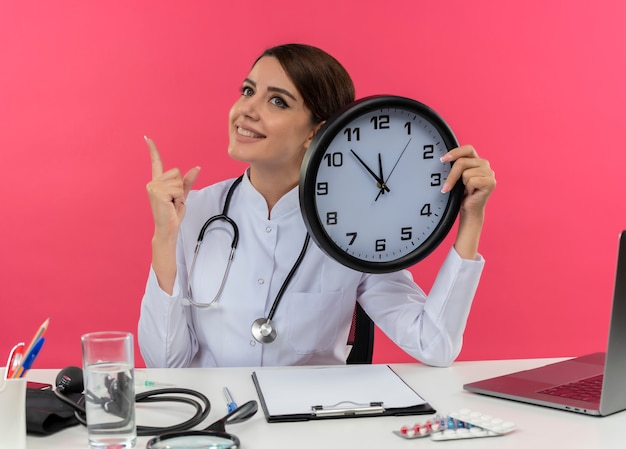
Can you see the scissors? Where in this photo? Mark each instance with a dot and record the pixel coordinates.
(15, 359)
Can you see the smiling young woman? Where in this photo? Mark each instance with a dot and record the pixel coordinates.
(253, 263)
(270, 128)
(288, 94)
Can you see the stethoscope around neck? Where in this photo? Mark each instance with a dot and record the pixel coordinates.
(263, 330)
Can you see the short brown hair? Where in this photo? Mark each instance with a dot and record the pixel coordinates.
(323, 82)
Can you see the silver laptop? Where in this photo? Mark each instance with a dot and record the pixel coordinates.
(592, 384)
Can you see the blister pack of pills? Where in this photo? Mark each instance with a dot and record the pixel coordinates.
(457, 425)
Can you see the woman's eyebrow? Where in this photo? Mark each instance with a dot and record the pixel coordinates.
(273, 89)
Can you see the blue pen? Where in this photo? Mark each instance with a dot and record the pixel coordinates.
(229, 400)
(29, 358)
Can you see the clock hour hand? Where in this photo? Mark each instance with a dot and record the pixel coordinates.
(379, 181)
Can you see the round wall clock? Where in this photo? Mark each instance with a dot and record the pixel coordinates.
(370, 184)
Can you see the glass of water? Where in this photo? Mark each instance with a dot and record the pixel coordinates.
(108, 367)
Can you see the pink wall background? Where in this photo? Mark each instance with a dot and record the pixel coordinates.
(537, 87)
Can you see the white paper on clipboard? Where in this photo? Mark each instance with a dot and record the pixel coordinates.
(295, 391)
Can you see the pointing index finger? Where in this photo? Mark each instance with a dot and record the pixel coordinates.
(157, 165)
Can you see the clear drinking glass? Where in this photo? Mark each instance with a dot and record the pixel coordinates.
(108, 366)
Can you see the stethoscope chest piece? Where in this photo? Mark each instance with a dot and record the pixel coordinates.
(263, 331)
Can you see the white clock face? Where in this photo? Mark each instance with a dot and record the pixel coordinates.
(378, 185)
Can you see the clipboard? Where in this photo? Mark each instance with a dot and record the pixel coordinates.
(351, 391)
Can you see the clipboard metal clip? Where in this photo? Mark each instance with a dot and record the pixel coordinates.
(354, 409)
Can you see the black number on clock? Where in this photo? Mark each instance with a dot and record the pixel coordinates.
(426, 210)
(380, 121)
(428, 151)
(407, 125)
(334, 159)
(331, 218)
(406, 233)
(353, 237)
(352, 132)
(435, 179)
(381, 245)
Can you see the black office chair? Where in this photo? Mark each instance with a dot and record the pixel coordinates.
(361, 338)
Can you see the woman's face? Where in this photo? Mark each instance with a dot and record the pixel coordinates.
(269, 125)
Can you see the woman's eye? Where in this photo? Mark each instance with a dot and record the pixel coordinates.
(277, 101)
(247, 91)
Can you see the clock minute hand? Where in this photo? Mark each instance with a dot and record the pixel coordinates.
(382, 176)
(379, 182)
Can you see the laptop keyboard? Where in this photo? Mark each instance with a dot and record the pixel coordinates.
(584, 390)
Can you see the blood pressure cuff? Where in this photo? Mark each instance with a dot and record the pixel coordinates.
(46, 414)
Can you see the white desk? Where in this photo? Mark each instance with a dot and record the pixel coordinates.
(537, 427)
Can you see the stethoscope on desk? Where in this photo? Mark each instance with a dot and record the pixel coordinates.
(116, 401)
(263, 330)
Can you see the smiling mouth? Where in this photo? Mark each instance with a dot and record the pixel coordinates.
(247, 133)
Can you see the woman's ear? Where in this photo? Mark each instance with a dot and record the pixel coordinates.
(314, 131)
